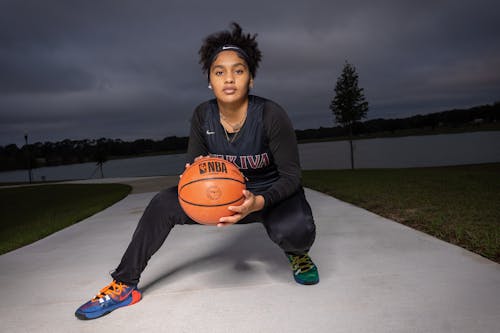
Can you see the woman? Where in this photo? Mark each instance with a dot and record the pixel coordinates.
(256, 135)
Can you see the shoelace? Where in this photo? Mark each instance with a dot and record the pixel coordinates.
(114, 288)
(301, 264)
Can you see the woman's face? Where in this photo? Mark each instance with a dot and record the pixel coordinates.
(230, 77)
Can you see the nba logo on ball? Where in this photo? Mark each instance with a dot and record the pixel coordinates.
(213, 166)
(208, 187)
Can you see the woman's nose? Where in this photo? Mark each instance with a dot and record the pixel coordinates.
(229, 78)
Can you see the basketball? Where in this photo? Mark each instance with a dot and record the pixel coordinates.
(208, 186)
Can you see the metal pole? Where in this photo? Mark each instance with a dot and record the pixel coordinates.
(29, 158)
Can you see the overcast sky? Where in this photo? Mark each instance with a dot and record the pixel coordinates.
(129, 69)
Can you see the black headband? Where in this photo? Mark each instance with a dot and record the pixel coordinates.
(229, 47)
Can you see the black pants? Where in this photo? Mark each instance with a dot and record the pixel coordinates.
(289, 224)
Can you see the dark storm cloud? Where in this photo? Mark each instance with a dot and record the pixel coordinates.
(129, 69)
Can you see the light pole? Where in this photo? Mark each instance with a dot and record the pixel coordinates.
(29, 157)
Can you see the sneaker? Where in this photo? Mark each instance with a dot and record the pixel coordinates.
(111, 297)
(304, 270)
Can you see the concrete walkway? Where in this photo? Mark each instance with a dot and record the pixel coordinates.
(376, 276)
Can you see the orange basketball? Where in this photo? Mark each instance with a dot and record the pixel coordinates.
(208, 186)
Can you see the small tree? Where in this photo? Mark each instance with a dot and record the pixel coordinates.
(101, 157)
(348, 105)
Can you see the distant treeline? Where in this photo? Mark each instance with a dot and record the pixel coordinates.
(479, 115)
(81, 151)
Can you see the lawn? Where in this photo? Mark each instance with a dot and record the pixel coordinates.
(457, 204)
(33, 212)
(460, 205)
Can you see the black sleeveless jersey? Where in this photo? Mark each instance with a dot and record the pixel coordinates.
(265, 148)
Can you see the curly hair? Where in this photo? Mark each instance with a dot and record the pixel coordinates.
(215, 42)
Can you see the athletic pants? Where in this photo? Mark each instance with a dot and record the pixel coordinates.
(289, 224)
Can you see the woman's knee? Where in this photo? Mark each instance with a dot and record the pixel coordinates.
(164, 206)
(165, 197)
(293, 236)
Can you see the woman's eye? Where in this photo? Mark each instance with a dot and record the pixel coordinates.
(239, 71)
(218, 73)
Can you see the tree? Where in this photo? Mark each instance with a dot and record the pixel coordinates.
(348, 105)
(101, 157)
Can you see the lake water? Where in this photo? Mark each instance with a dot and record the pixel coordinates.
(414, 151)
(404, 152)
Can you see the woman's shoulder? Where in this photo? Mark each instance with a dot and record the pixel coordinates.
(202, 109)
(270, 106)
(206, 104)
(273, 115)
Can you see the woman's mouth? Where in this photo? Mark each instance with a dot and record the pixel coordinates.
(229, 90)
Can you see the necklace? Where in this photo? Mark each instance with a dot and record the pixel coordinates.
(236, 128)
(230, 139)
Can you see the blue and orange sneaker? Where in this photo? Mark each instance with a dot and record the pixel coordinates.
(111, 297)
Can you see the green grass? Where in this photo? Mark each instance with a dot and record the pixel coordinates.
(33, 212)
(460, 205)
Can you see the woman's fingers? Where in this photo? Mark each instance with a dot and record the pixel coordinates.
(187, 165)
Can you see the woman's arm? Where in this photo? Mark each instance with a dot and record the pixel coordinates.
(283, 145)
(196, 145)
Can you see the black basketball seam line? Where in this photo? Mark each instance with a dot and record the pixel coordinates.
(213, 178)
(208, 206)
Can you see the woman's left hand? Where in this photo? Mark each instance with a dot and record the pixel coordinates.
(252, 203)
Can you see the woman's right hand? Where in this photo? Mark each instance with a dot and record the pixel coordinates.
(189, 164)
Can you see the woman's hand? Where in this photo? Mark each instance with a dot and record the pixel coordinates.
(252, 203)
(189, 164)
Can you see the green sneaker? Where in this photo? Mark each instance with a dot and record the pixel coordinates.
(304, 270)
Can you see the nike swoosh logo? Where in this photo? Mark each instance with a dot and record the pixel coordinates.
(210, 133)
(124, 297)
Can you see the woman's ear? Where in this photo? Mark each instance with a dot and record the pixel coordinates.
(250, 85)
